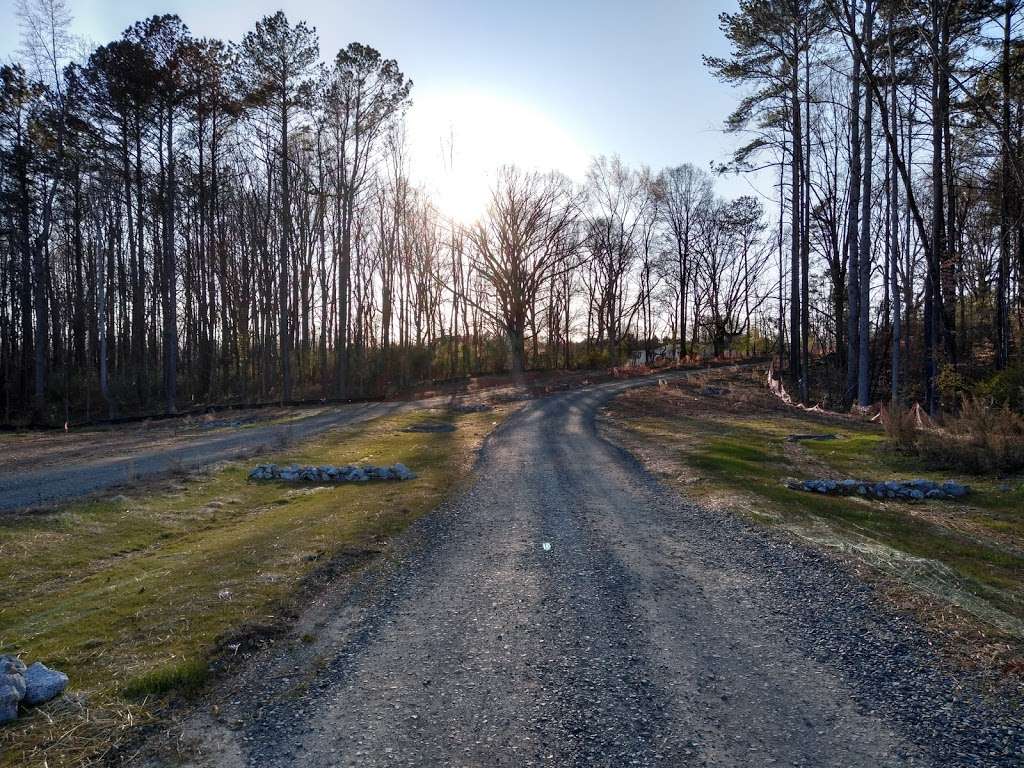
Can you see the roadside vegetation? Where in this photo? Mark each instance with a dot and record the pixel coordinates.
(721, 439)
(138, 595)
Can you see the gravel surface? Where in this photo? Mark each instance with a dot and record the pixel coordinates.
(569, 610)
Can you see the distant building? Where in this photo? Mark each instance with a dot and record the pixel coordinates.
(655, 355)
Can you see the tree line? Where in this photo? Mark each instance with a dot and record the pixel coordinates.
(895, 130)
(187, 221)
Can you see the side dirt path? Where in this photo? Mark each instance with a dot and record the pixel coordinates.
(568, 609)
(113, 462)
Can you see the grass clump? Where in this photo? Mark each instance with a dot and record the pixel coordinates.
(186, 677)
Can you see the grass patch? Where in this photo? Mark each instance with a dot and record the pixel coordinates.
(732, 453)
(186, 678)
(130, 595)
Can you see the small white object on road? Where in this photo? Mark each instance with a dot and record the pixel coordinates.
(546, 546)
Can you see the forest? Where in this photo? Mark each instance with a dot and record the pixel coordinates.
(188, 221)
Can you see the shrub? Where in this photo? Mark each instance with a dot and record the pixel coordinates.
(900, 426)
(951, 385)
(980, 439)
(1005, 388)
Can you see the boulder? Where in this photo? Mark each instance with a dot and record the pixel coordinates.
(43, 683)
(12, 687)
(402, 472)
(955, 490)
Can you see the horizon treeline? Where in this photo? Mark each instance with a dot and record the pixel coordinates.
(894, 130)
(187, 221)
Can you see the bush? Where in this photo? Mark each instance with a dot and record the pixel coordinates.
(951, 384)
(981, 439)
(1005, 388)
(900, 426)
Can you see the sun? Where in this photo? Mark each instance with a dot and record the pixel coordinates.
(459, 138)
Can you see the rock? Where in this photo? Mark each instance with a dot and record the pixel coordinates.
(402, 472)
(955, 490)
(472, 408)
(821, 486)
(431, 426)
(714, 391)
(12, 687)
(264, 472)
(331, 474)
(908, 490)
(43, 683)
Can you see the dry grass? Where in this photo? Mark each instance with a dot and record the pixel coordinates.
(980, 439)
(135, 596)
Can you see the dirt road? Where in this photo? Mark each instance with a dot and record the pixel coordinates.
(127, 456)
(568, 610)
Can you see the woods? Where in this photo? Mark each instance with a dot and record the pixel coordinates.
(186, 221)
(896, 129)
(192, 221)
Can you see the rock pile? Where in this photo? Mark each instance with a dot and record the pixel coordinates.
(431, 426)
(330, 474)
(905, 490)
(33, 685)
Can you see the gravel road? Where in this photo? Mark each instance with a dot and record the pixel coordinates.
(568, 610)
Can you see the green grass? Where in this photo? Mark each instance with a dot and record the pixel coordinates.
(129, 596)
(969, 552)
(186, 677)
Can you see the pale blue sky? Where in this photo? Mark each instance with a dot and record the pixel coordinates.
(583, 77)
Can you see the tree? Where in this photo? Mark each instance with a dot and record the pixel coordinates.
(686, 196)
(521, 244)
(275, 64)
(364, 93)
(768, 38)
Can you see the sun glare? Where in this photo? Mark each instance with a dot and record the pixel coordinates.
(459, 139)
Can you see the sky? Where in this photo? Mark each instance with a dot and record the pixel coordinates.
(543, 84)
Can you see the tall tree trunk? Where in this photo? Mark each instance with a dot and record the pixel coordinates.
(852, 238)
(864, 252)
(1003, 280)
(284, 262)
(795, 219)
(170, 278)
(894, 234)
